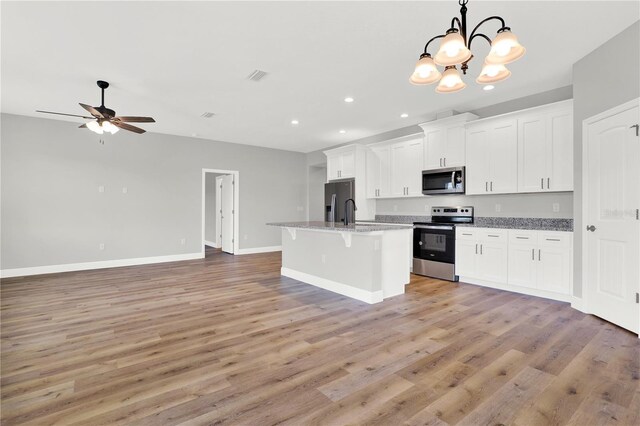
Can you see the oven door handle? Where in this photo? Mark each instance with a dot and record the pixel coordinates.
(448, 228)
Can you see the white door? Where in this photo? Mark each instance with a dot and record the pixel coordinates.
(477, 179)
(218, 240)
(532, 153)
(503, 158)
(414, 167)
(226, 226)
(522, 265)
(492, 263)
(554, 265)
(348, 169)
(612, 177)
(334, 163)
(466, 254)
(454, 150)
(560, 151)
(399, 169)
(434, 142)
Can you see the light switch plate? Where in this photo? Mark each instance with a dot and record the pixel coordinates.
(124, 190)
(101, 188)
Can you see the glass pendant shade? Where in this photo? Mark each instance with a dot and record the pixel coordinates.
(94, 126)
(426, 71)
(493, 73)
(108, 127)
(451, 81)
(452, 50)
(505, 49)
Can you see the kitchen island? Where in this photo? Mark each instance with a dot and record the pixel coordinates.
(368, 262)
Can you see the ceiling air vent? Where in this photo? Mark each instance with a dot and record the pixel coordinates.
(256, 75)
(207, 114)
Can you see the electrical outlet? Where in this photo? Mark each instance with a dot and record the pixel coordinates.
(183, 241)
(101, 246)
(324, 258)
(101, 188)
(556, 207)
(498, 208)
(124, 190)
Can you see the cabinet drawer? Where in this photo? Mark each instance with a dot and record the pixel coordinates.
(466, 233)
(519, 236)
(555, 239)
(493, 235)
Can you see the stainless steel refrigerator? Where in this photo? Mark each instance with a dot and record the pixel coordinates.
(335, 195)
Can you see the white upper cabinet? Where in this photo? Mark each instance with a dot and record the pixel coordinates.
(444, 141)
(406, 168)
(341, 163)
(545, 149)
(378, 185)
(492, 157)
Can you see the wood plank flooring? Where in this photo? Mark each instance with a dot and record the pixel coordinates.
(227, 340)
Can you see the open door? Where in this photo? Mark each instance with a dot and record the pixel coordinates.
(227, 212)
(218, 240)
(612, 222)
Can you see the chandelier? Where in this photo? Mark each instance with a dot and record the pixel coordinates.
(455, 50)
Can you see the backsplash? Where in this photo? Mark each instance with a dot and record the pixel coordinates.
(539, 205)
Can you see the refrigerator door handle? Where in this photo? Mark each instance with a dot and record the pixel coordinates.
(333, 208)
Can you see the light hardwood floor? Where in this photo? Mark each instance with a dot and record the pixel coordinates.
(226, 340)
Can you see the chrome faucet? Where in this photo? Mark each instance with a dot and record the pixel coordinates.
(346, 211)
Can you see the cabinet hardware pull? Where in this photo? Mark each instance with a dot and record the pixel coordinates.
(466, 234)
(548, 183)
(538, 255)
(444, 161)
(486, 187)
(476, 248)
(636, 126)
(553, 239)
(541, 183)
(533, 254)
(491, 235)
(440, 162)
(491, 186)
(522, 238)
(480, 248)
(637, 214)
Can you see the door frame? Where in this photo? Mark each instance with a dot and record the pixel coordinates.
(218, 239)
(236, 205)
(585, 186)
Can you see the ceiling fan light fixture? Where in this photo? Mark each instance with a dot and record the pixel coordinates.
(451, 81)
(453, 49)
(94, 126)
(493, 73)
(505, 48)
(425, 72)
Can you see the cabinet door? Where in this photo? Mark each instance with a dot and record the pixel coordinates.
(383, 155)
(348, 169)
(560, 151)
(434, 142)
(373, 174)
(466, 254)
(414, 167)
(522, 265)
(553, 269)
(333, 166)
(477, 171)
(532, 153)
(492, 263)
(503, 159)
(454, 149)
(399, 169)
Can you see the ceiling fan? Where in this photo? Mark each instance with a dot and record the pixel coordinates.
(105, 118)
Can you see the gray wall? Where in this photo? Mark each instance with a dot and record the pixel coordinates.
(605, 78)
(52, 212)
(315, 192)
(514, 205)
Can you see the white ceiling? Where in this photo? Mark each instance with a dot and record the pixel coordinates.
(176, 60)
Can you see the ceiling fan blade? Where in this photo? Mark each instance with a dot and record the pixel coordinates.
(92, 110)
(128, 127)
(135, 119)
(84, 126)
(62, 113)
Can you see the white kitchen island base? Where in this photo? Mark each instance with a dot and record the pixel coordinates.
(369, 263)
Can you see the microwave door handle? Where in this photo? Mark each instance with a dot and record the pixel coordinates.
(453, 180)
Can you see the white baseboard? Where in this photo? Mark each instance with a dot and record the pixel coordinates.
(521, 290)
(69, 267)
(255, 250)
(578, 304)
(336, 287)
(210, 244)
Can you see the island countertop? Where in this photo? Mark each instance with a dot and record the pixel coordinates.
(340, 227)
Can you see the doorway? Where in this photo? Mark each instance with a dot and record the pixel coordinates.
(220, 212)
(611, 203)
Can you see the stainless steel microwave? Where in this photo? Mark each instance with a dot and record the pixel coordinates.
(449, 180)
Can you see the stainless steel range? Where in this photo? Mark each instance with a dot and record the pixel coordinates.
(434, 243)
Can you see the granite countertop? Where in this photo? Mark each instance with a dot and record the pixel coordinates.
(339, 227)
(530, 223)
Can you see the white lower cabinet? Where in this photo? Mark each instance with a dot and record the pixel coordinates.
(524, 261)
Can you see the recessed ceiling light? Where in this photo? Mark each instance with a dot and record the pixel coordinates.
(342, 132)
(404, 115)
(348, 99)
(194, 134)
(207, 114)
(488, 87)
(295, 122)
